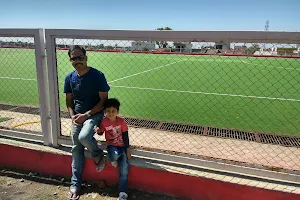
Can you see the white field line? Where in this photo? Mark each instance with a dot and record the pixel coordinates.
(208, 93)
(213, 60)
(269, 66)
(22, 79)
(199, 60)
(11, 78)
(125, 77)
(181, 91)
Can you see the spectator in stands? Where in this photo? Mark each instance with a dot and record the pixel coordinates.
(117, 141)
(86, 91)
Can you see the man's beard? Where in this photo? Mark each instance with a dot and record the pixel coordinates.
(78, 65)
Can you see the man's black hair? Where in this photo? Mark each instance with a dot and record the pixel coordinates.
(76, 47)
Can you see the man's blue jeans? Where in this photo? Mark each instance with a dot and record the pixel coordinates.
(83, 136)
(119, 154)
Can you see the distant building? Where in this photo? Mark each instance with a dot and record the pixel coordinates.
(222, 45)
(143, 46)
(239, 48)
(286, 50)
(183, 46)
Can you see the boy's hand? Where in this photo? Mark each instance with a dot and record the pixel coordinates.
(128, 153)
(97, 130)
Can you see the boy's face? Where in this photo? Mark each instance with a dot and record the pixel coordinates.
(111, 113)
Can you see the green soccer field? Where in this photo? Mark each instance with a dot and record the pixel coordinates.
(253, 94)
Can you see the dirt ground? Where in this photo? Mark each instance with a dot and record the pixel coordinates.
(25, 185)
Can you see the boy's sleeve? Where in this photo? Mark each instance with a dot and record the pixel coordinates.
(125, 137)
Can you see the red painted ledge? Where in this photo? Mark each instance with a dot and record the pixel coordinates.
(182, 186)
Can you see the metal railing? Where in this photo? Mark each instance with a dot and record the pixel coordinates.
(24, 82)
(224, 100)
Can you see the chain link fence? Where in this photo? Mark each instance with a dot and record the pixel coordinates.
(235, 102)
(19, 102)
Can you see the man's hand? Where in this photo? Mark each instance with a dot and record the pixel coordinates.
(78, 119)
(128, 153)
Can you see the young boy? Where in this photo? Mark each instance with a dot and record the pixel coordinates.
(117, 140)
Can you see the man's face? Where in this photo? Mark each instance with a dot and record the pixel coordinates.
(78, 59)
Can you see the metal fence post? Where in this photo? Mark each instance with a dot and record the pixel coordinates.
(43, 92)
(53, 88)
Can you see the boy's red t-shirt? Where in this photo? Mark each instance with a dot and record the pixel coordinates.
(113, 131)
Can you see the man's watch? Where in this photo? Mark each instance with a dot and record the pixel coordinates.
(88, 114)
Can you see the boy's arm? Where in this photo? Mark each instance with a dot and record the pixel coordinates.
(125, 139)
(99, 132)
(124, 130)
(99, 129)
(126, 144)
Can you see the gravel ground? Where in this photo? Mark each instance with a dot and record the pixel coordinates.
(23, 185)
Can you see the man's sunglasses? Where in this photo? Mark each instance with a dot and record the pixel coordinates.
(80, 58)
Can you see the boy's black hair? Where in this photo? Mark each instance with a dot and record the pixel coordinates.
(112, 102)
(76, 47)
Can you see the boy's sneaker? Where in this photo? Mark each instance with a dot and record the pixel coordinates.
(122, 196)
(100, 165)
(114, 163)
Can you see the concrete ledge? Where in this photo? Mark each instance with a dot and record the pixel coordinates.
(153, 180)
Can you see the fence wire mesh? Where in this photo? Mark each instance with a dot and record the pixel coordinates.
(234, 102)
(237, 102)
(19, 102)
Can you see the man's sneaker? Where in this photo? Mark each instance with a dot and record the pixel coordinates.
(114, 163)
(122, 196)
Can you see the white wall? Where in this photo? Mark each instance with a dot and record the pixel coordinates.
(225, 45)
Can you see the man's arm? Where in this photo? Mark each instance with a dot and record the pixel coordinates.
(80, 118)
(70, 104)
(103, 96)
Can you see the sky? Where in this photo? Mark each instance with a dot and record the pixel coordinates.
(283, 15)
